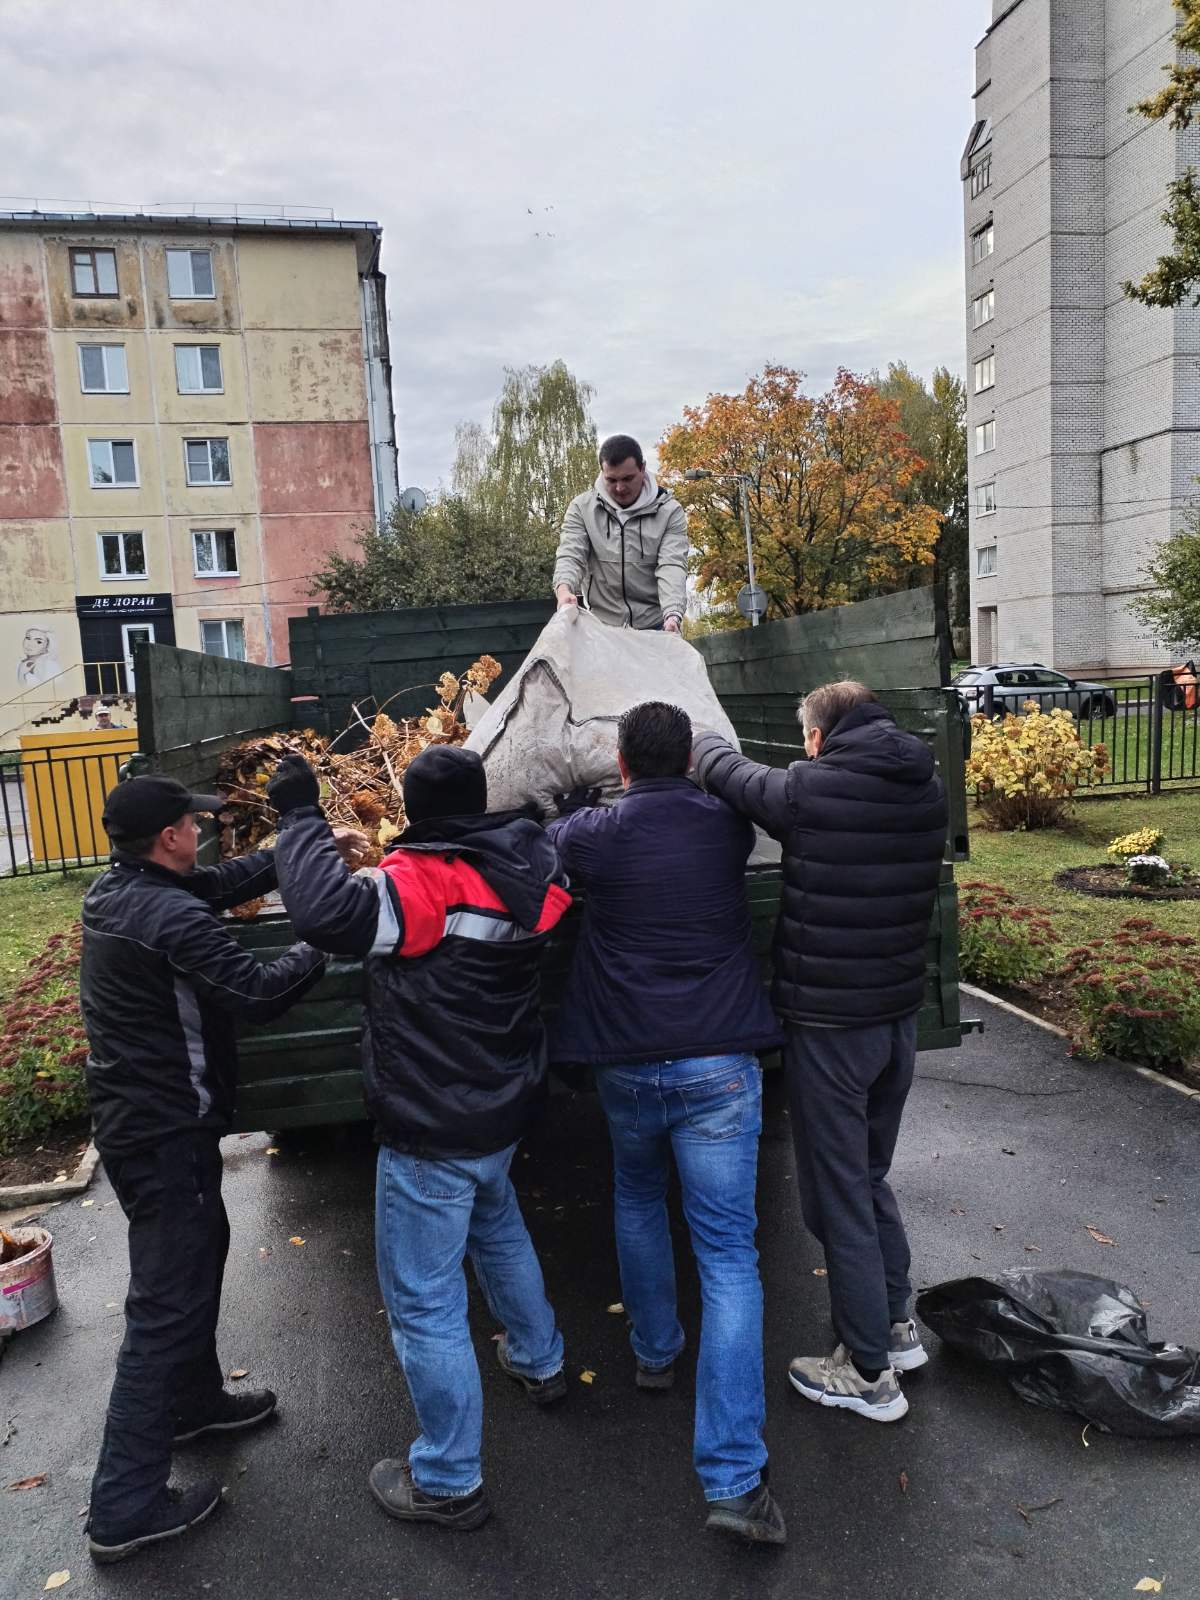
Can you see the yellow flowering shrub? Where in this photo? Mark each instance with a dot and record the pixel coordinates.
(1024, 770)
(1141, 842)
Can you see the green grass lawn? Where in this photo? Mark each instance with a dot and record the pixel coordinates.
(31, 909)
(1025, 863)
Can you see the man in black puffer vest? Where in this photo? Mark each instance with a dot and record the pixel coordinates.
(863, 828)
(452, 926)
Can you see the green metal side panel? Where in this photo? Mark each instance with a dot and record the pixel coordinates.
(397, 656)
(191, 707)
(302, 1070)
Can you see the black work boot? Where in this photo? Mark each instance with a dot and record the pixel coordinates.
(542, 1391)
(753, 1516)
(227, 1413)
(393, 1487)
(174, 1513)
(655, 1377)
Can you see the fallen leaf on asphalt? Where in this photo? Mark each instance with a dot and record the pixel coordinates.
(56, 1580)
(238, 1372)
(1034, 1249)
(615, 1309)
(296, 1239)
(958, 1211)
(1045, 1506)
(33, 1482)
(1100, 1238)
(271, 1150)
(1147, 1586)
(263, 1252)
(904, 1483)
(820, 1272)
(587, 1377)
(1005, 1151)
(999, 1226)
(84, 1204)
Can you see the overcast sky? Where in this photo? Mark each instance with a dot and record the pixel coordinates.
(664, 193)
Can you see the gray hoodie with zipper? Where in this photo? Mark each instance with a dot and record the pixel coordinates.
(629, 563)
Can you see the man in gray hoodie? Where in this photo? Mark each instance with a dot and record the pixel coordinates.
(624, 545)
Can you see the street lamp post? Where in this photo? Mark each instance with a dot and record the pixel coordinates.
(743, 480)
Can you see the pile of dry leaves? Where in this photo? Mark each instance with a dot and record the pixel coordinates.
(362, 789)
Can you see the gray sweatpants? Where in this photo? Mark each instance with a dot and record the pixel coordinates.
(846, 1091)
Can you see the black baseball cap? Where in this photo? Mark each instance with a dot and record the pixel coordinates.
(141, 807)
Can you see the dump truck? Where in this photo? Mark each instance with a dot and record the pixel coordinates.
(303, 1069)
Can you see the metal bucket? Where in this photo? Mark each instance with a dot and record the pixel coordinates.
(27, 1288)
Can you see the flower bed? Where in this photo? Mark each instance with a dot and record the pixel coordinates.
(1112, 883)
(43, 1094)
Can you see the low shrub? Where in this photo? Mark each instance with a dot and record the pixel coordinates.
(1024, 770)
(1141, 842)
(1000, 940)
(1137, 996)
(43, 1046)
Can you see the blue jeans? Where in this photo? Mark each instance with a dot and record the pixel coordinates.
(429, 1215)
(707, 1112)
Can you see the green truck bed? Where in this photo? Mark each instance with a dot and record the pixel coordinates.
(303, 1069)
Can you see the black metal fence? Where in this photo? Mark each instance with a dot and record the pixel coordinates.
(51, 801)
(1149, 727)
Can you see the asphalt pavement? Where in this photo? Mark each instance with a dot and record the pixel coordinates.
(1008, 1145)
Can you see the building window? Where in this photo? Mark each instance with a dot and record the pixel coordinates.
(112, 463)
(981, 176)
(985, 437)
(224, 636)
(198, 369)
(215, 551)
(102, 369)
(985, 499)
(985, 558)
(190, 275)
(207, 460)
(983, 243)
(94, 274)
(122, 555)
(985, 373)
(983, 308)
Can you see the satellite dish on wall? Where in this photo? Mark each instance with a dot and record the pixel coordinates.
(414, 500)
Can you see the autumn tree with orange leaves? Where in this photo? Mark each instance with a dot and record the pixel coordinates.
(831, 518)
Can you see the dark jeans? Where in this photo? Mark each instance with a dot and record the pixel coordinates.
(846, 1090)
(167, 1367)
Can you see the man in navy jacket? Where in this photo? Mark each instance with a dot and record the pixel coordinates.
(863, 828)
(666, 1003)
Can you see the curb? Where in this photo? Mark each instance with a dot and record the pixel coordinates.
(32, 1194)
(1050, 1027)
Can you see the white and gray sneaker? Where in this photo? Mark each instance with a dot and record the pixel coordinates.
(907, 1353)
(834, 1380)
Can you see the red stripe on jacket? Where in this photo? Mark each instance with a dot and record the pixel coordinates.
(427, 885)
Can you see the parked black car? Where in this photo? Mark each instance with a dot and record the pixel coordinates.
(1011, 684)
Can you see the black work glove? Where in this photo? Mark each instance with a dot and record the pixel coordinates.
(294, 785)
(581, 798)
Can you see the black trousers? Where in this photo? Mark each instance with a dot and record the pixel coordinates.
(846, 1093)
(167, 1367)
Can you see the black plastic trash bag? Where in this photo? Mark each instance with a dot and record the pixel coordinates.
(1071, 1342)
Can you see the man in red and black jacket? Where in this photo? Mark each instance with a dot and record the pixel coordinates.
(451, 927)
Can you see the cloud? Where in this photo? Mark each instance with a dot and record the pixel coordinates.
(662, 196)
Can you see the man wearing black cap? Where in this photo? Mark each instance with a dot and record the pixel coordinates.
(452, 926)
(161, 985)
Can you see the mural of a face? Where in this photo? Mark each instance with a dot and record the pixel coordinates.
(38, 662)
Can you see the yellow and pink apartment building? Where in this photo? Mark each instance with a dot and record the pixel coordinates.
(195, 413)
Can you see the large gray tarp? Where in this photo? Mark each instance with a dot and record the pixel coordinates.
(555, 725)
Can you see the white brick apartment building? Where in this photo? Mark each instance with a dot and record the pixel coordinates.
(1084, 407)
